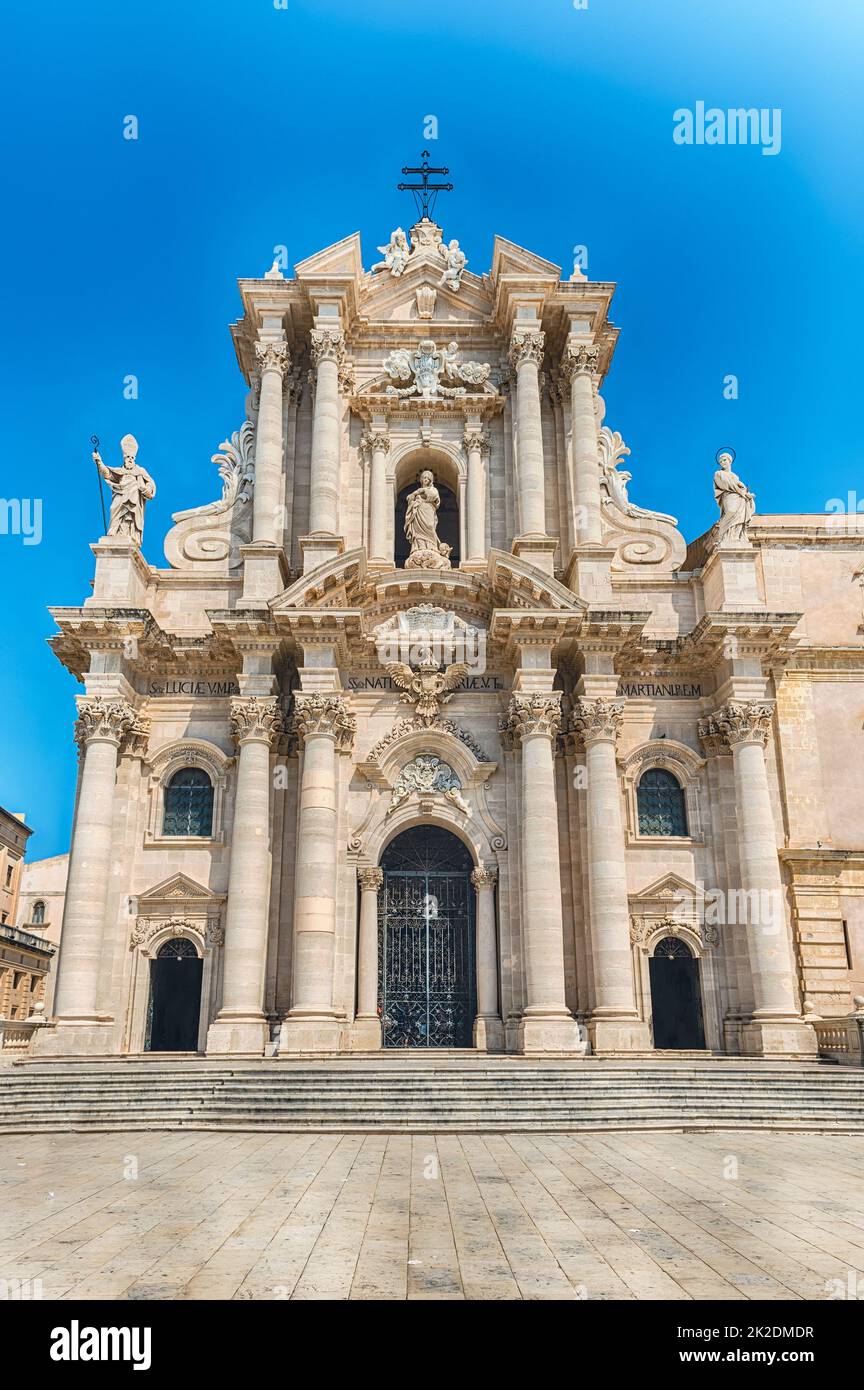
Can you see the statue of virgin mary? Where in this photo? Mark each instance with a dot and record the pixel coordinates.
(421, 527)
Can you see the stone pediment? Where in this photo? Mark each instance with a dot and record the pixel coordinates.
(671, 893)
(344, 259)
(179, 890)
(511, 259)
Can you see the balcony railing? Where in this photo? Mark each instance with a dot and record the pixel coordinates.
(841, 1039)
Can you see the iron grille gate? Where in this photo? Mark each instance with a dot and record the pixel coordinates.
(426, 942)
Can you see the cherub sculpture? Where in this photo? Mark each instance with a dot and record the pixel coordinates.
(395, 254)
(456, 263)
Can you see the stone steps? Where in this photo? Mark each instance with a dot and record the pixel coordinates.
(453, 1093)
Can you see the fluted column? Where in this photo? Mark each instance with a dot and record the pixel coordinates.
(579, 364)
(274, 361)
(615, 1025)
(371, 880)
(377, 443)
(328, 353)
(476, 443)
(546, 1025)
(488, 1028)
(322, 721)
(777, 1024)
(101, 726)
(526, 354)
(240, 1025)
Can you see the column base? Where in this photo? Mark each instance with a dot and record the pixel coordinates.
(779, 1037)
(550, 1033)
(488, 1033)
(311, 1033)
(365, 1034)
(240, 1034)
(537, 550)
(84, 1037)
(319, 550)
(611, 1035)
(265, 574)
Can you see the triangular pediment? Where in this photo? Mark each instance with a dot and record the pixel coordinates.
(178, 888)
(342, 259)
(671, 887)
(417, 297)
(510, 259)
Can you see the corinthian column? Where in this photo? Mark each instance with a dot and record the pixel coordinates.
(476, 443)
(546, 1024)
(615, 1025)
(274, 361)
(240, 1025)
(526, 354)
(328, 356)
(322, 722)
(578, 366)
(488, 1028)
(367, 1024)
(102, 724)
(777, 1025)
(377, 443)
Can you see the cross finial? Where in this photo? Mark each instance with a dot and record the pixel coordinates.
(425, 193)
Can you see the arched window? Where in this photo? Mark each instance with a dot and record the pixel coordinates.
(37, 916)
(660, 800)
(189, 803)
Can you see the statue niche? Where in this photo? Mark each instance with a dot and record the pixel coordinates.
(427, 525)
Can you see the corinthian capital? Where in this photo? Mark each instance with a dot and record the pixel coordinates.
(325, 714)
(597, 720)
(256, 719)
(376, 442)
(476, 440)
(370, 879)
(580, 359)
(530, 715)
(137, 737)
(526, 346)
(485, 876)
(327, 345)
(107, 720)
(273, 357)
(743, 721)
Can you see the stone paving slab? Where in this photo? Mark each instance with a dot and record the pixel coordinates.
(174, 1215)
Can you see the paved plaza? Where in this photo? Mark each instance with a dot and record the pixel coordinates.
(508, 1216)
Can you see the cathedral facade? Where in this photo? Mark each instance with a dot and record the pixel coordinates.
(428, 736)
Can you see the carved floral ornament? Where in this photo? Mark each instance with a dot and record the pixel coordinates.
(526, 345)
(208, 935)
(273, 357)
(103, 719)
(580, 359)
(595, 720)
(530, 716)
(644, 929)
(484, 876)
(737, 723)
(325, 715)
(403, 727)
(255, 719)
(427, 775)
(370, 879)
(327, 345)
(476, 440)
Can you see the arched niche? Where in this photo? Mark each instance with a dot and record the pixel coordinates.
(407, 466)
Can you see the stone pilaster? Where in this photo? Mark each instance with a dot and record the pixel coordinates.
(476, 445)
(533, 721)
(488, 1028)
(327, 346)
(614, 1025)
(579, 366)
(777, 1024)
(241, 1025)
(80, 1029)
(323, 723)
(264, 568)
(366, 1033)
(377, 445)
(526, 355)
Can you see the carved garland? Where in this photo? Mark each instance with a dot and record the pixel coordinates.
(403, 727)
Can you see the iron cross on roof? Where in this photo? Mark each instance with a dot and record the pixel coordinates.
(425, 193)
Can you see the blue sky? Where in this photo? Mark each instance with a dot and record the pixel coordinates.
(261, 126)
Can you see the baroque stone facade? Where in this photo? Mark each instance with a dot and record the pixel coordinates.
(425, 613)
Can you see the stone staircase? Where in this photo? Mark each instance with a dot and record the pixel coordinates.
(442, 1092)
